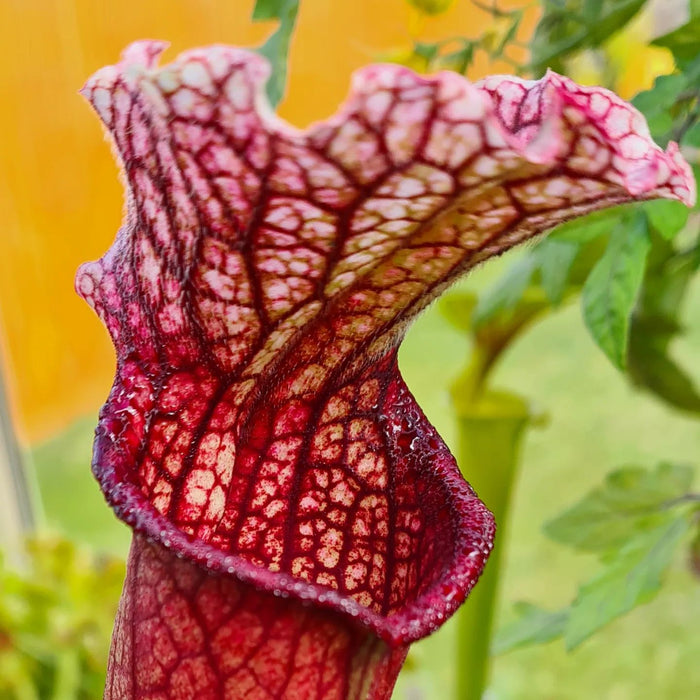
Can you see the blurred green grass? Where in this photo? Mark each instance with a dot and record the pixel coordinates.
(596, 423)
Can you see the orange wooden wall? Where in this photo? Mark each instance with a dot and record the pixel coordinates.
(60, 199)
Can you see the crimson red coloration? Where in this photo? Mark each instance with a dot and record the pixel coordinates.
(195, 635)
(298, 521)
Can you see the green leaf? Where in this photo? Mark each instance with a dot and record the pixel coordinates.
(631, 578)
(671, 106)
(650, 367)
(662, 94)
(276, 48)
(668, 217)
(656, 322)
(694, 552)
(506, 293)
(426, 51)
(555, 259)
(458, 60)
(631, 500)
(268, 9)
(533, 626)
(692, 136)
(567, 26)
(611, 289)
(683, 42)
(591, 10)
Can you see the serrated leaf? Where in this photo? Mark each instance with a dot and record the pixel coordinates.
(631, 578)
(629, 501)
(635, 487)
(533, 626)
(611, 289)
(555, 258)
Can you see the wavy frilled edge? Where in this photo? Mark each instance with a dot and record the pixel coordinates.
(416, 620)
(635, 169)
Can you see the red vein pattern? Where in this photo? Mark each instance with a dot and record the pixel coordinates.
(201, 636)
(299, 521)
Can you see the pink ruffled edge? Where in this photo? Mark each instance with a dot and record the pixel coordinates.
(646, 168)
(418, 619)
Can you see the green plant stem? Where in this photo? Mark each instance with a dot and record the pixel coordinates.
(490, 434)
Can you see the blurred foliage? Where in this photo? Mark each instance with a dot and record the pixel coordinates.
(655, 324)
(631, 268)
(672, 108)
(457, 53)
(630, 500)
(635, 522)
(431, 7)
(683, 42)
(567, 26)
(276, 47)
(56, 620)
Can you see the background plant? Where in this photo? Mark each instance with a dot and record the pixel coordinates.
(55, 618)
(630, 269)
